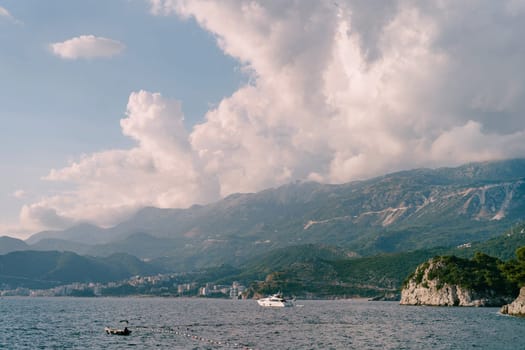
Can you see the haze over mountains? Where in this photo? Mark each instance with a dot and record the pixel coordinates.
(31, 269)
(402, 211)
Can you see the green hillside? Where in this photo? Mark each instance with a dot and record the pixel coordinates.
(404, 211)
(8, 244)
(323, 271)
(503, 246)
(33, 269)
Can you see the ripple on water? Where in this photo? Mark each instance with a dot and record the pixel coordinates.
(78, 323)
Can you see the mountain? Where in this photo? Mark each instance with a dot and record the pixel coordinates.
(34, 269)
(309, 270)
(142, 245)
(82, 233)
(502, 246)
(403, 211)
(62, 245)
(9, 244)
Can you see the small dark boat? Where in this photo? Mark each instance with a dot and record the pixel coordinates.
(117, 331)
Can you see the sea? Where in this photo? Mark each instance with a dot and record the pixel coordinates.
(193, 323)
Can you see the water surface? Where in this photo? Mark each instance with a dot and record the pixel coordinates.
(177, 323)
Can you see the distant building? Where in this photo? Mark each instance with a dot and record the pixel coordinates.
(186, 287)
(236, 290)
(464, 245)
(204, 291)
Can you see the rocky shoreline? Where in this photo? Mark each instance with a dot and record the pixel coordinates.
(517, 307)
(421, 289)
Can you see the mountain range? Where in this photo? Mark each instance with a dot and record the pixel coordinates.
(398, 212)
(33, 269)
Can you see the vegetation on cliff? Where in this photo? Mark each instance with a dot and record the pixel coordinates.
(514, 269)
(480, 273)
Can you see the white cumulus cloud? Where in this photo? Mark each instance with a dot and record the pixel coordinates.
(349, 89)
(160, 171)
(87, 46)
(338, 91)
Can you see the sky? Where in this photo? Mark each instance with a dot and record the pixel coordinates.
(110, 106)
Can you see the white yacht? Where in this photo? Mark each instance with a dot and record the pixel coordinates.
(275, 300)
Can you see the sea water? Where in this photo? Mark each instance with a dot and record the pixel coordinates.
(179, 323)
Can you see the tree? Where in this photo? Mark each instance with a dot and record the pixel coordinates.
(515, 269)
(520, 254)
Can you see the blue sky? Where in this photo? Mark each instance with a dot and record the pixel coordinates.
(110, 106)
(53, 110)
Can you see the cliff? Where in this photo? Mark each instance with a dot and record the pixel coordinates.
(441, 282)
(517, 307)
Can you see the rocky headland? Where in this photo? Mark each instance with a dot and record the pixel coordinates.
(451, 281)
(517, 307)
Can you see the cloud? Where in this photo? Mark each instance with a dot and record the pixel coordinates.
(20, 194)
(160, 171)
(4, 13)
(162, 7)
(338, 91)
(350, 90)
(40, 215)
(475, 145)
(87, 46)
(15, 230)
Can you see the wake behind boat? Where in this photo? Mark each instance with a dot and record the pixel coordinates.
(276, 300)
